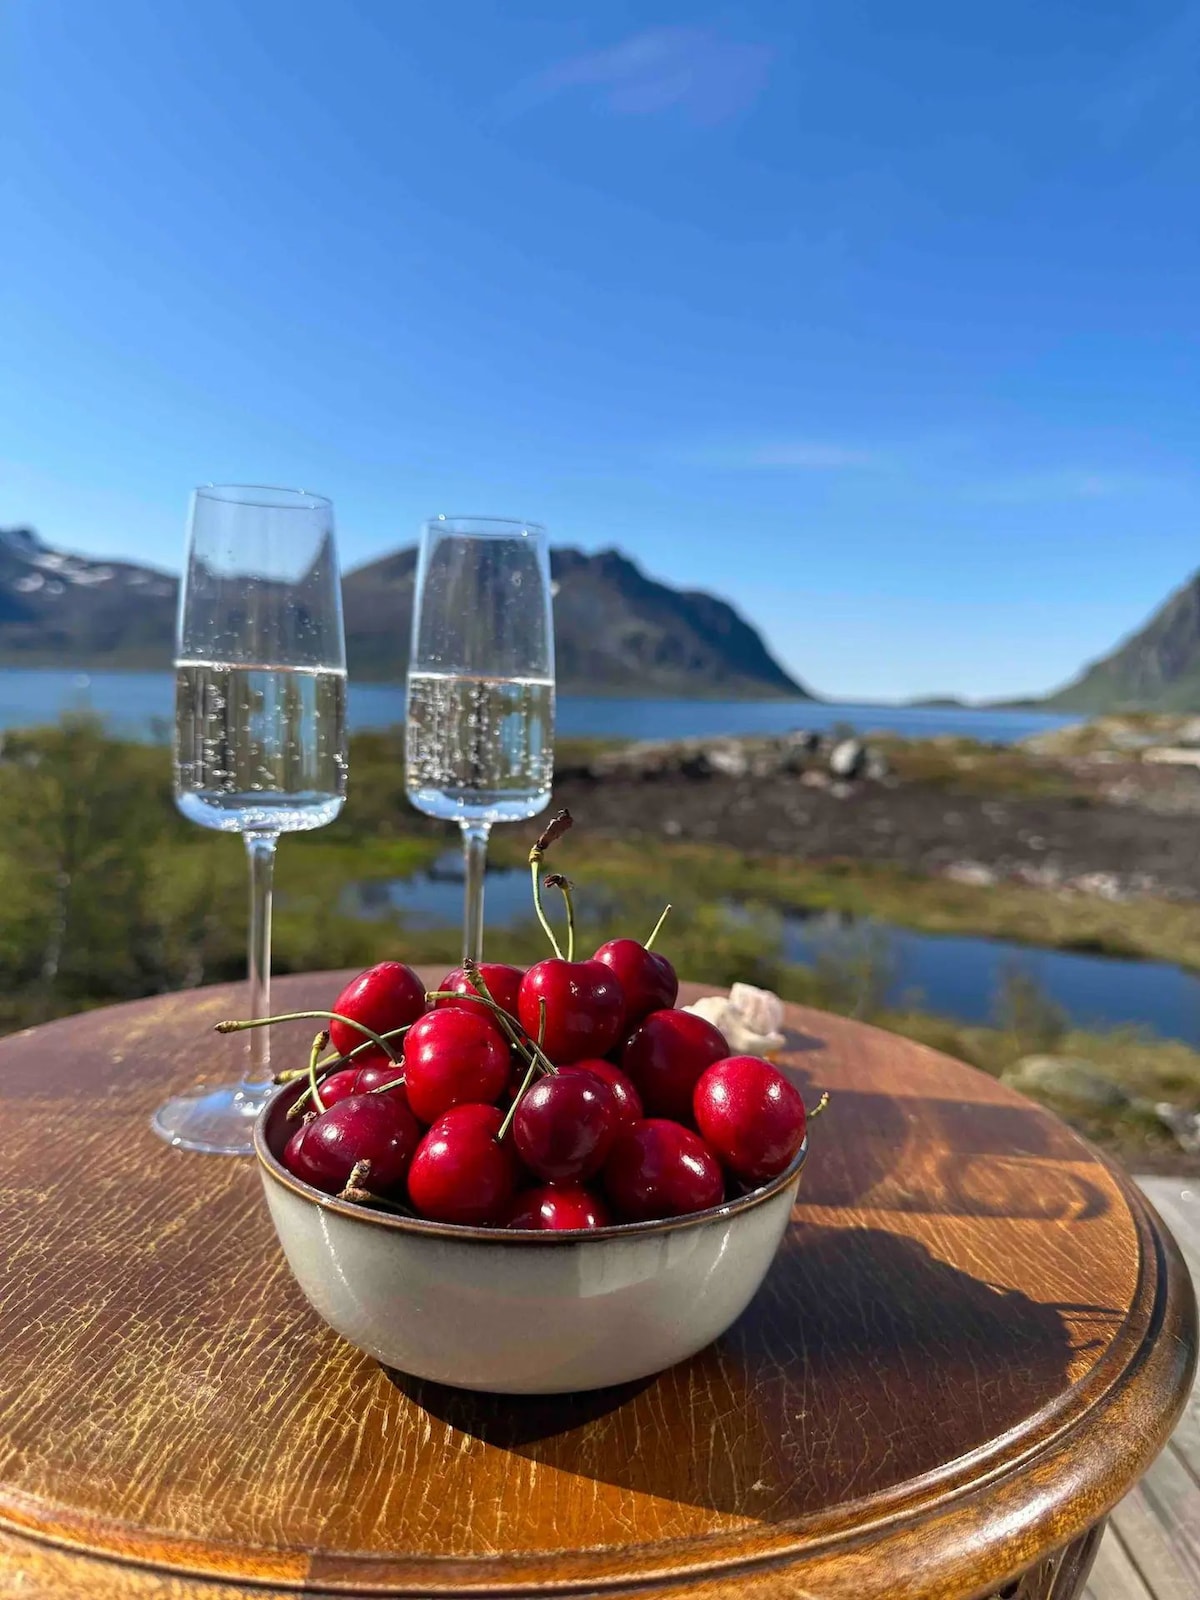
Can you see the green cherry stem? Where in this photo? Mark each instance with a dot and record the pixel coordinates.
(315, 1016)
(318, 1044)
(332, 1063)
(530, 1071)
(554, 829)
(658, 927)
(539, 908)
(820, 1106)
(555, 880)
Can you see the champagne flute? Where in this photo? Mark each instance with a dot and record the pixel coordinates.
(260, 728)
(479, 728)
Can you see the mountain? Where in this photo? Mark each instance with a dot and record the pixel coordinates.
(58, 609)
(616, 631)
(1155, 669)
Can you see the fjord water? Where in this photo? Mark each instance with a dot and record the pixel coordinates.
(479, 749)
(139, 705)
(260, 749)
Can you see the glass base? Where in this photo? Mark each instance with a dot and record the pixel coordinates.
(218, 1122)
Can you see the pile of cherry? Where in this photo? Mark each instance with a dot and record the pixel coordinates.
(570, 1095)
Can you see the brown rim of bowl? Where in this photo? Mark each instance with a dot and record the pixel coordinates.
(459, 1232)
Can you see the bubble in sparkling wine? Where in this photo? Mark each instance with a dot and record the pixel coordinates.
(259, 748)
(479, 747)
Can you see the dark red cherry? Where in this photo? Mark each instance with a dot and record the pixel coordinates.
(647, 979)
(584, 1007)
(658, 1169)
(460, 1173)
(665, 1055)
(451, 1058)
(371, 1078)
(339, 1085)
(751, 1115)
(555, 1206)
(564, 1125)
(376, 1128)
(504, 983)
(384, 998)
(626, 1098)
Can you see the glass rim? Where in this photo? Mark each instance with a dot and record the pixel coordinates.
(484, 527)
(274, 498)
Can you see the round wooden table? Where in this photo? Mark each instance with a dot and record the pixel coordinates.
(975, 1338)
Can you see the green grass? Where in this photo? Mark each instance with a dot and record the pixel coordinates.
(1147, 928)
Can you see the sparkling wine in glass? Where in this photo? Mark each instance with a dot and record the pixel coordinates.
(260, 728)
(479, 728)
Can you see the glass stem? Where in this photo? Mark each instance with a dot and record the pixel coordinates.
(260, 849)
(475, 842)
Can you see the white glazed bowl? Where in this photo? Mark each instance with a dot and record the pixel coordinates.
(521, 1312)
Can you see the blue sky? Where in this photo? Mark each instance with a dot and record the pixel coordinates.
(880, 320)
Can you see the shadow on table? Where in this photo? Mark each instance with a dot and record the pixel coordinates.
(953, 1157)
(863, 1362)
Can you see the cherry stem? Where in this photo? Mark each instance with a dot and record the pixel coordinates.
(516, 1034)
(358, 1194)
(355, 1186)
(658, 927)
(820, 1106)
(318, 1044)
(315, 1016)
(555, 880)
(507, 1021)
(554, 829)
(534, 864)
(529, 1074)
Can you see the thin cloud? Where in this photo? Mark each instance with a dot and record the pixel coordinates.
(695, 71)
(1067, 484)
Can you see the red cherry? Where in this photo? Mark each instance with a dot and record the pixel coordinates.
(339, 1085)
(584, 1008)
(665, 1055)
(371, 1078)
(504, 983)
(367, 1079)
(460, 1173)
(556, 1206)
(452, 1058)
(751, 1115)
(375, 1128)
(625, 1097)
(647, 979)
(658, 1169)
(564, 1126)
(382, 998)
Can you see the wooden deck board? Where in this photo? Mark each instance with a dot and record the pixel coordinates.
(1114, 1576)
(1151, 1550)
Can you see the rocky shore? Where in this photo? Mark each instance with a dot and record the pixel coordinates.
(1103, 818)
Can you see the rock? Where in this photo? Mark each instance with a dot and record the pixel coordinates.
(816, 780)
(729, 759)
(974, 873)
(847, 759)
(1184, 1125)
(876, 769)
(1067, 1080)
(1102, 885)
(807, 741)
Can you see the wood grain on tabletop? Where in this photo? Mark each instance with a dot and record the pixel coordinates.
(974, 1339)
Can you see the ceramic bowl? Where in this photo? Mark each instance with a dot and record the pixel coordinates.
(521, 1312)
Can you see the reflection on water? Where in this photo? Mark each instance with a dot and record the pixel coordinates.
(953, 975)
